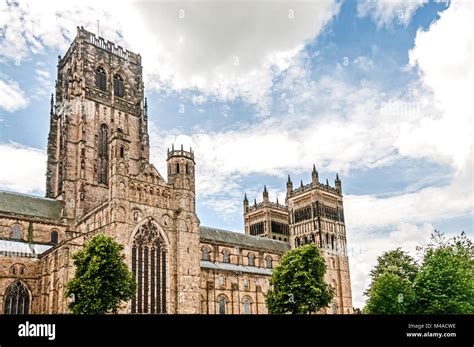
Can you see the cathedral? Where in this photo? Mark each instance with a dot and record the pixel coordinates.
(99, 180)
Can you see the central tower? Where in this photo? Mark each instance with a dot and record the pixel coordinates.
(99, 113)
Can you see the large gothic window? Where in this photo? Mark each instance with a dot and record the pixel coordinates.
(118, 86)
(17, 299)
(149, 270)
(103, 154)
(101, 79)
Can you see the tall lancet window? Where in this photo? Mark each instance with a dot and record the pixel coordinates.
(118, 86)
(17, 299)
(101, 79)
(149, 270)
(103, 154)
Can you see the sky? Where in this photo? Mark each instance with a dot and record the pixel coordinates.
(376, 91)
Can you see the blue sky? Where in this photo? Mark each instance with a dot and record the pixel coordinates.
(375, 91)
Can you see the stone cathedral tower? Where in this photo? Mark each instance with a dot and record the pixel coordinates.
(313, 213)
(99, 115)
(98, 166)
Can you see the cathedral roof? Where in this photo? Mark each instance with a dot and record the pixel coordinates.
(31, 206)
(239, 239)
(15, 248)
(236, 268)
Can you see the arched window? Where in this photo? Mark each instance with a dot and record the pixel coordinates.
(103, 154)
(54, 237)
(251, 259)
(16, 231)
(268, 262)
(17, 299)
(246, 306)
(226, 254)
(187, 169)
(334, 308)
(246, 284)
(122, 152)
(101, 79)
(177, 167)
(13, 270)
(222, 302)
(118, 86)
(221, 281)
(149, 270)
(205, 254)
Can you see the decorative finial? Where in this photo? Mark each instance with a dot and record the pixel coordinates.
(301, 183)
(265, 188)
(337, 177)
(327, 182)
(255, 202)
(245, 198)
(314, 168)
(289, 179)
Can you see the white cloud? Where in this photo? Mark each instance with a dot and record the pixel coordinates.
(12, 97)
(455, 199)
(24, 168)
(385, 12)
(446, 72)
(364, 63)
(198, 100)
(226, 49)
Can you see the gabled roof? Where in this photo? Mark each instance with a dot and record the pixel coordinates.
(214, 235)
(28, 205)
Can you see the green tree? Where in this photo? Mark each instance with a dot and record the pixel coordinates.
(397, 262)
(390, 294)
(298, 283)
(445, 282)
(102, 280)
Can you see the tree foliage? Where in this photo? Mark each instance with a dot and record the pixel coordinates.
(298, 284)
(391, 294)
(102, 280)
(397, 262)
(443, 283)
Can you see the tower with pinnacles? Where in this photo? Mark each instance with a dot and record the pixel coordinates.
(312, 213)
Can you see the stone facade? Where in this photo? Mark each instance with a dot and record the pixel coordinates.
(312, 213)
(99, 180)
